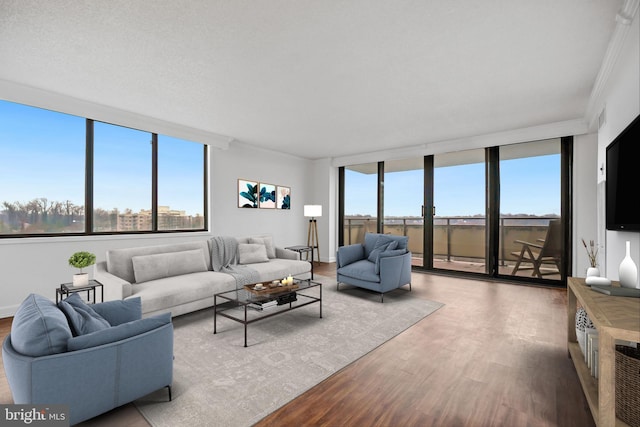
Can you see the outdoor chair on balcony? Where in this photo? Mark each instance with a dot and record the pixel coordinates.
(547, 252)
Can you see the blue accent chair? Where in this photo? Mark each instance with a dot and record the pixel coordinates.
(381, 264)
(105, 369)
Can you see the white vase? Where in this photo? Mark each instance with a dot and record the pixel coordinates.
(593, 272)
(628, 271)
(81, 279)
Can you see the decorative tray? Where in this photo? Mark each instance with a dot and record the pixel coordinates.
(269, 288)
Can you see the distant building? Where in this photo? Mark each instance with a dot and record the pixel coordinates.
(168, 219)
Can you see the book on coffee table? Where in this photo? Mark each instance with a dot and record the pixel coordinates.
(262, 305)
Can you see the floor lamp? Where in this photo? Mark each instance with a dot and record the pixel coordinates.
(313, 211)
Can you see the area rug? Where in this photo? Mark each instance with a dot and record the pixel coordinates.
(217, 381)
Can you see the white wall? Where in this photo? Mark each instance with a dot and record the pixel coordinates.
(39, 265)
(621, 100)
(585, 171)
(289, 227)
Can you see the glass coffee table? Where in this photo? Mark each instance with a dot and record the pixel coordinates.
(253, 305)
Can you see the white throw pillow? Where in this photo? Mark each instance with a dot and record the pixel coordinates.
(250, 253)
(267, 241)
(158, 266)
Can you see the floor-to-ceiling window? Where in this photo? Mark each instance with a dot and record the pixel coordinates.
(403, 203)
(360, 201)
(459, 211)
(499, 211)
(530, 209)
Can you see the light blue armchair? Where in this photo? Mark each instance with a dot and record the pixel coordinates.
(381, 264)
(91, 373)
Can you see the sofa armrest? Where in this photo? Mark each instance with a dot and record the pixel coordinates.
(349, 254)
(114, 287)
(286, 254)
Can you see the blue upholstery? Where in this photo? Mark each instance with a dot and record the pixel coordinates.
(82, 318)
(381, 264)
(96, 379)
(39, 328)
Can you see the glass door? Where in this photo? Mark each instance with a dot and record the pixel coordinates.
(403, 185)
(531, 231)
(360, 202)
(459, 209)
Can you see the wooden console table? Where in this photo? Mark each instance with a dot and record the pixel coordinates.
(614, 318)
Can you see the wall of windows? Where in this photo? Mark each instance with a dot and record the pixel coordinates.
(498, 211)
(62, 175)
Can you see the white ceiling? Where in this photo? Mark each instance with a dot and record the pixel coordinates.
(317, 78)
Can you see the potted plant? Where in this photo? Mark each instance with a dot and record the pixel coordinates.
(81, 260)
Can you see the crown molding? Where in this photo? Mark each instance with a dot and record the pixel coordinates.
(41, 98)
(624, 19)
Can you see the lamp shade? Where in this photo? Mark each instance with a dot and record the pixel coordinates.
(313, 211)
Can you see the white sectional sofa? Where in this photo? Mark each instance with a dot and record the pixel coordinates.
(178, 278)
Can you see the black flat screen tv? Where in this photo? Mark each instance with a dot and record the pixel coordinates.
(623, 180)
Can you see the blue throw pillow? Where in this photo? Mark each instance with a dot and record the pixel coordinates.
(120, 311)
(118, 333)
(383, 244)
(388, 253)
(39, 328)
(82, 318)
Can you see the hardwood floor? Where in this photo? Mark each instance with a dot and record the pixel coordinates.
(494, 355)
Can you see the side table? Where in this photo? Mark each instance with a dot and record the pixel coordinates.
(67, 289)
(303, 249)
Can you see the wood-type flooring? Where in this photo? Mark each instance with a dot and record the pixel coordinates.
(494, 355)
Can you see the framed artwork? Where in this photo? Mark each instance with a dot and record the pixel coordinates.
(267, 196)
(283, 197)
(247, 194)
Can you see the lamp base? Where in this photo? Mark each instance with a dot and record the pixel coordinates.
(312, 238)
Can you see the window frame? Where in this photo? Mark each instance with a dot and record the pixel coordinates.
(89, 191)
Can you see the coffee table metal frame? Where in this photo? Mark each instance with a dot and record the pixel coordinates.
(243, 298)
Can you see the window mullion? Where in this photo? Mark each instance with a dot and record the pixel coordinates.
(154, 181)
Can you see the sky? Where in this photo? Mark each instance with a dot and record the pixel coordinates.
(528, 186)
(42, 155)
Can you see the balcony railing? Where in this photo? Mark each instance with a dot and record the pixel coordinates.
(455, 238)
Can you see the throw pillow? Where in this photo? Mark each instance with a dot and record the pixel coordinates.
(39, 328)
(120, 311)
(82, 318)
(386, 254)
(158, 266)
(250, 253)
(118, 333)
(267, 241)
(381, 247)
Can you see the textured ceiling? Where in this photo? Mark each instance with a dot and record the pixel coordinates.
(317, 78)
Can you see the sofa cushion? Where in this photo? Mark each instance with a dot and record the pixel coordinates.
(378, 249)
(388, 253)
(163, 294)
(158, 266)
(118, 333)
(39, 327)
(267, 241)
(82, 318)
(250, 253)
(119, 261)
(120, 311)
